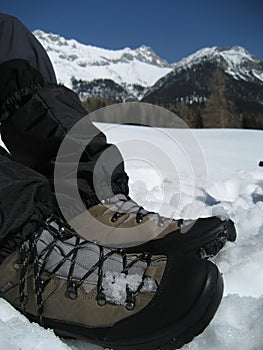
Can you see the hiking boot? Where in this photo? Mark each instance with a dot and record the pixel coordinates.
(121, 222)
(111, 298)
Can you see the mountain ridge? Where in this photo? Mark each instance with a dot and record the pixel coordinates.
(214, 87)
(185, 87)
(126, 67)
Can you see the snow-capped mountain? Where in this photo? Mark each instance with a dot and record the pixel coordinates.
(77, 65)
(214, 87)
(237, 62)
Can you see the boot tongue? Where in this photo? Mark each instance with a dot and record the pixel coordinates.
(114, 280)
(120, 203)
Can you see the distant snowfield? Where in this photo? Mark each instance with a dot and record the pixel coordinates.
(229, 174)
(85, 62)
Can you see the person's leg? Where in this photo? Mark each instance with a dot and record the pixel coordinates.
(36, 114)
(24, 201)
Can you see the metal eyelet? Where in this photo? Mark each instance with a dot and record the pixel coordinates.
(101, 299)
(130, 305)
(160, 223)
(72, 290)
(114, 218)
(121, 251)
(17, 265)
(147, 256)
(130, 300)
(139, 218)
(180, 222)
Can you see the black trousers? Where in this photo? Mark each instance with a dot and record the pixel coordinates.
(35, 115)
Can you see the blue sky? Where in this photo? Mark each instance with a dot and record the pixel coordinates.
(174, 29)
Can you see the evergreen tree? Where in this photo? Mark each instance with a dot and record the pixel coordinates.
(220, 112)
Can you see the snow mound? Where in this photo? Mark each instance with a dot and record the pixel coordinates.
(17, 333)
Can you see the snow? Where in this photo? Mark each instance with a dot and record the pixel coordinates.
(126, 66)
(257, 74)
(17, 333)
(114, 286)
(236, 55)
(234, 184)
(237, 60)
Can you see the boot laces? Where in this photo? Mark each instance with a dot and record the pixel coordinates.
(121, 204)
(30, 257)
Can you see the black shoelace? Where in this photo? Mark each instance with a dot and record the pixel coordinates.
(122, 204)
(32, 262)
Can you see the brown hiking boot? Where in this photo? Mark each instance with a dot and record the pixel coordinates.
(121, 222)
(111, 298)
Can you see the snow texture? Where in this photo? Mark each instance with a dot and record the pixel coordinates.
(238, 62)
(114, 286)
(138, 67)
(234, 188)
(85, 62)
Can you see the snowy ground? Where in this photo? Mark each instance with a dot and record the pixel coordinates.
(234, 184)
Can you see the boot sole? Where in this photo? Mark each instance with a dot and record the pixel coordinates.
(173, 337)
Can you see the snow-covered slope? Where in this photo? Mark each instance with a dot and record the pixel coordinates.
(226, 81)
(125, 67)
(235, 186)
(134, 72)
(237, 62)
